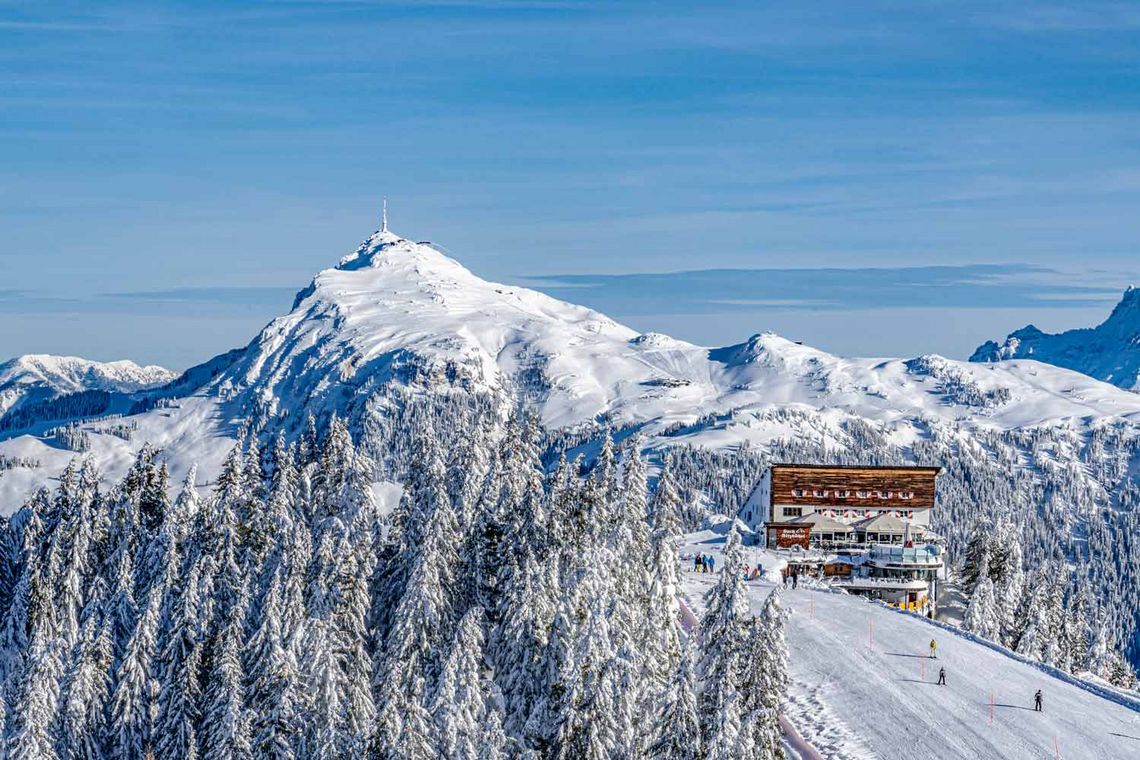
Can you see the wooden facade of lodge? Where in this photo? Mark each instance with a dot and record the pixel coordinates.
(846, 505)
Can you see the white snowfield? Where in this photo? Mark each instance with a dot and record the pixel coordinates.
(394, 303)
(863, 686)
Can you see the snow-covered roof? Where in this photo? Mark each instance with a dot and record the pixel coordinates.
(823, 524)
(884, 523)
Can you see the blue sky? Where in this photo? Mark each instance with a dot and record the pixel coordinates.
(171, 172)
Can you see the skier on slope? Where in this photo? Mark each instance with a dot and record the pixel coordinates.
(933, 649)
(1037, 702)
(942, 676)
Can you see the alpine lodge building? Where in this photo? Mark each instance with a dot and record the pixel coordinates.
(865, 529)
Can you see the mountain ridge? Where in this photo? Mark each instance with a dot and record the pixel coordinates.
(400, 316)
(1109, 351)
(36, 378)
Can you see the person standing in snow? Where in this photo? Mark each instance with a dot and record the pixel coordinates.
(1037, 702)
(933, 649)
(795, 580)
(696, 563)
(942, 676)
(712, 564)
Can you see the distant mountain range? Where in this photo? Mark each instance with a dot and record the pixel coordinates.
(1109, 352)
(400, 315)
(38, 378)
(397, 328)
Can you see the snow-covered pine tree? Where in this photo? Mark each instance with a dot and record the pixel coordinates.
(30, 719)
(1008, 591)
(465, 716)
(550, 681)
(326, 738)
(353, 637)
(588, 729)
(416, 738)
(724, 736)
(1036, 615)
(1056, 651)
(677, 732)
(23, 607)
(425, 495)
(130, 726)
(86, 691)
(422, 618)
(601, 492)
(975, 558)
(722, 636)
(177, 671)
(764, 681)
(662, 647)
(225, 721)
(1075, 625)
(273, 692)
(983, 615)
(521, 639)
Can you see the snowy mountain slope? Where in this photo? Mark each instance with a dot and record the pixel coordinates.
(396, 304)
(38, 377)
(863, 689)
(1110, 351)
(399, 314)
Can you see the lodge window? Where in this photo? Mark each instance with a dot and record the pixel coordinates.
(863, 494)
(797, 492)
(792, 511)
(818, 493)
(906, 495)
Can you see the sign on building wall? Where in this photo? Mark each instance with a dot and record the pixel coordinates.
(783, 536)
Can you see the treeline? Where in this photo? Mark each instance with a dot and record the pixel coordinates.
(1045, 614)
(495, 612)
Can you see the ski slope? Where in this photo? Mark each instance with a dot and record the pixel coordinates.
(862, 687)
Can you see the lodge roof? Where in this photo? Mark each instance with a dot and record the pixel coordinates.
(878, 467)
(823, 524)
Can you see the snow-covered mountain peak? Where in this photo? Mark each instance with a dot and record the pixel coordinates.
(769, 349)
(1128, 309)
(1110, 351)
(395, 306)
(398, 319)
(385, 248)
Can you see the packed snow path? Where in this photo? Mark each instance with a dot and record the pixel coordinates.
(864, 687)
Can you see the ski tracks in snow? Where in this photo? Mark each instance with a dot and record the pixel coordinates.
(808, 709)
(812, 718)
